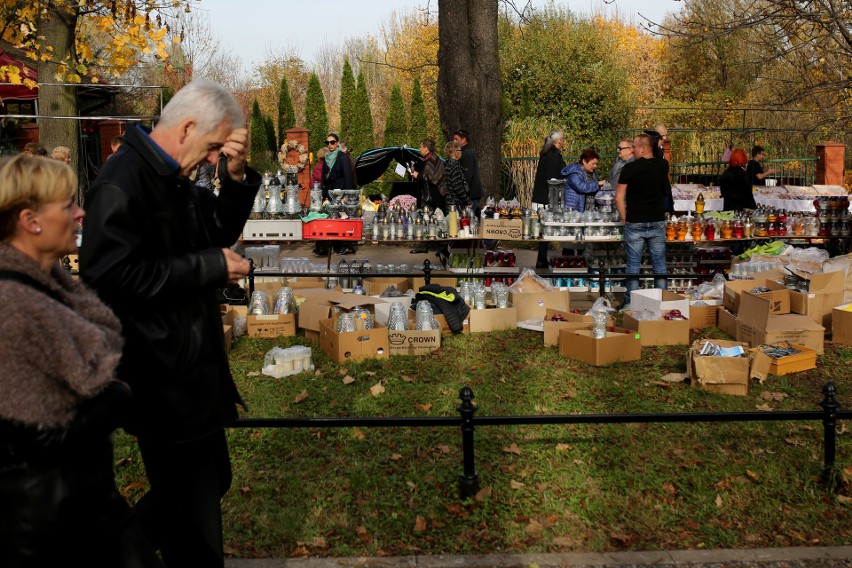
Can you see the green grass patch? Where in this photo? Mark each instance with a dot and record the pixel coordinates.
(394, 491)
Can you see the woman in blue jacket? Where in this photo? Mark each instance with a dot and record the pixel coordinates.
(582, 180)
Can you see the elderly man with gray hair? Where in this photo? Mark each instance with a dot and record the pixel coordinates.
(156, 249)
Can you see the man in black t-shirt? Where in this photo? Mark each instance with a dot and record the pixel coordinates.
(755, 171)
(639, 198)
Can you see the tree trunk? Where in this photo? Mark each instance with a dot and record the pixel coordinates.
(470, 89)
(58, 25)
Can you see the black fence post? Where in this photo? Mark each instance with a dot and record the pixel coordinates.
(427, 271)
(251, 279)
(469, 482)
(829, 426)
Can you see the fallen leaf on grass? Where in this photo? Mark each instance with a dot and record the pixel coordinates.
(674, 377)
(483, 494)
(411, 484)
(534, 528)
(406, 378)
(565, 541)
(302, 396)
(343, 371)
(419, 524)
(230, 550)
(253, 374)
(424, 407)
(660, 384)
(245, 490)
(131, 487)
(515, 484)
(395, 457)
(670, 489)
(719, 501)
(770, 396)
(793, 441)
(359, 435)
(579, 462)
(317, 542)
(763, 408)
(844, 500)
(753, 476)
(377, 389)
(847, 474)
(443, 449)
(301, 551)
(564, 447)
(513, 449)
(318, 373)
(370, 373)
(348, 380)
(362, 534)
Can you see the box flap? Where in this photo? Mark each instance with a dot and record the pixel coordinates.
(792, 322)
(754, 310)
(827, 282)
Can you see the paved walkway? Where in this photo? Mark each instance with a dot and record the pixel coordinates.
(802, 557)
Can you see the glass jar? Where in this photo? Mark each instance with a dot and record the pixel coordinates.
(670, 230)
(727, 229)
(737, 230)
(710, 231)
(681, 230)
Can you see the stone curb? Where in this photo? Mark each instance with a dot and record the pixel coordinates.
(826, 556)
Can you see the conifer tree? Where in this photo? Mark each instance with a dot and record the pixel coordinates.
(418, 115)
(270, 137)
(286, 114)
(396, 126)
(347, 101)
(259, 151)
(316, 116)
(362, 138)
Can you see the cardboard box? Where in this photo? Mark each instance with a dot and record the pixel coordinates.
(724, 375)
(510, 229)
(382, 310)
(414, 342)
(802, 361)
(824, 292)
(442, 321)
(375, 286)
(581, 345)
(273, 325)
(658, 332)
(493, 319)
(307, 282)
(315, 305)
(701, 317)
(552, 328)
(735, 288)
(658, 300)
(355, 345)
(228, 331)
(534, 306)
(841, 324)
(728, 322)
(439, 278)
(756, 325)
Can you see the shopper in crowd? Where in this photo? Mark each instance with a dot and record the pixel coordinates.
(316, 174)
(34, 149)
(344, 149)
(642, 188)
(458, 192)
(336, 174)
(61, 153)
(59, 400)
(735, 185)
(550, 165)
(115, 144)
(624, 155)
(470, 165)
(581, 179)
(157, 251)
(755, 170)
(429, 174)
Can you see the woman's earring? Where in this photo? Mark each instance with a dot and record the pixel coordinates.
(38, 229)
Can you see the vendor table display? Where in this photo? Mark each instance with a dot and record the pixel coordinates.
(787, 197)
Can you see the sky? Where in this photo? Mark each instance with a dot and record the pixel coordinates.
(251, 27)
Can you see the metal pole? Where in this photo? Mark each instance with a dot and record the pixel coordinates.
(427, 271)
(251, 278)
(469, 482)
(829, 427)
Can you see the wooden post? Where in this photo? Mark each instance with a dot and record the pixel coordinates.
(830, 162)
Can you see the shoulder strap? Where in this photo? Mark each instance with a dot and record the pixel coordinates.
(32, 283)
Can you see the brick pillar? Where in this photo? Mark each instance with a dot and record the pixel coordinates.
(300, 135)
(830, 161)
(667, 150)
(27, 133)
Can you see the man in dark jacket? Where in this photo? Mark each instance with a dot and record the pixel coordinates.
(470, 165)
(157, 251)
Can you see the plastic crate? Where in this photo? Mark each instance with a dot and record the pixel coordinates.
(332, 230)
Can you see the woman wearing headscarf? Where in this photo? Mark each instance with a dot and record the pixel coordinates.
(59, 403)
(550, 164)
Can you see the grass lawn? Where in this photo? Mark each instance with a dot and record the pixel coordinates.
(394, 491)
